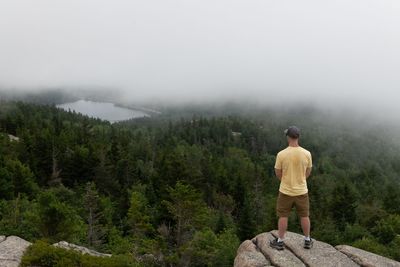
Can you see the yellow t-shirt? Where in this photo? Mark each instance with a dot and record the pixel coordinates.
(293, 161)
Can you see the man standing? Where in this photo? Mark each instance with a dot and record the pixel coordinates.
(293, 167)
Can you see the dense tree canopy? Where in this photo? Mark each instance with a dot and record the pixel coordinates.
(186, 187)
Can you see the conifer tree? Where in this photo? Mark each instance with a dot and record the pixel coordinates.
(94, 215)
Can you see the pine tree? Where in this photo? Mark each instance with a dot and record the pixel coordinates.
(246, 222)
(55, 178)
(343, 205)
(187, 209)
(391, 200)
(94, 214)
(139, 219)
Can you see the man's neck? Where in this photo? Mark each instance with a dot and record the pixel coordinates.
(294, 144)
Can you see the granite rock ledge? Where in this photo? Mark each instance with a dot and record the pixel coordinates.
(257, 253)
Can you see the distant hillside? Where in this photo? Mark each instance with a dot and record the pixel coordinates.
(48, 97)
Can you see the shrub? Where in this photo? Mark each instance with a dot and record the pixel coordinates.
(371, 245)
(45, 255)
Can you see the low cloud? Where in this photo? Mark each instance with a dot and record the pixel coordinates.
(330, 53)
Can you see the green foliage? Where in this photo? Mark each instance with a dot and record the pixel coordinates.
(326, 230)
(227, 244)
(208, 249)
(16, 178)
(44, 255)
(19, 217)
(246, 222)
(187, 209)
(184, 186)
(395, 248)
(139, 219)
(355, 232)
(391, 200)
(117, 243)
(388, 228)
(372, 245)
(58, 220)
(94, 216)
(343, 205)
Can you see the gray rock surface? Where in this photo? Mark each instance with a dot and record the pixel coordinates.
(322, 254)
(365, 258)
(13, 138)
(280, 258)
(249, 256)
(11, 250)
(83, 250)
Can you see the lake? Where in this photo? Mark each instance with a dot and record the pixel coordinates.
(103, 110)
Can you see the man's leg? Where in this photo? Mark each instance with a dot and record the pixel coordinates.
(283, 206)
(278, 243)
(282, 226)
(303, 210)
(305, 225)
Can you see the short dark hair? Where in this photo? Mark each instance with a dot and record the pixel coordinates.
(293, 132)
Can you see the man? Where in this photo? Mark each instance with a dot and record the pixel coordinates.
(293, 167)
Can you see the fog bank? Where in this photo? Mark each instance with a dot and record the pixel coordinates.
(329, 53)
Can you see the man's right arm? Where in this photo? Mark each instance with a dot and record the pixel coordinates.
(308, 172)
(278, 173)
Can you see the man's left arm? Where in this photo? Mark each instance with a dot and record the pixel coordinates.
(278, 173)
(278, 167)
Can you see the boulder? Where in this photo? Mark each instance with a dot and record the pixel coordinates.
(83, 250)
(11, 250)
(365, 258)
(280, 258)
(250, 253)
(321, 254)
(249, 256)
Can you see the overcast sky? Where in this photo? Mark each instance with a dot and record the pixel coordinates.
(342, 51)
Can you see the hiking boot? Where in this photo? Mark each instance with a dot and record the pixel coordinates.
(308, 243)
(279, 245)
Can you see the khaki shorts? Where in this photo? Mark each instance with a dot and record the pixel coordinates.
(285, 203)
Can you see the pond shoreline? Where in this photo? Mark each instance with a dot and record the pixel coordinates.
(107, 111)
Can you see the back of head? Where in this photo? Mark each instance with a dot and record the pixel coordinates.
(293, 132)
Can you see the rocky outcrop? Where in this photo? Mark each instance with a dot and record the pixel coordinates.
(365, 258)
(257, 252)
(322, 254)
(83, 250)
(277, 258)
(249, 256)
(12, 248)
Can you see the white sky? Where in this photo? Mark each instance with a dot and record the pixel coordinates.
(341, 51)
